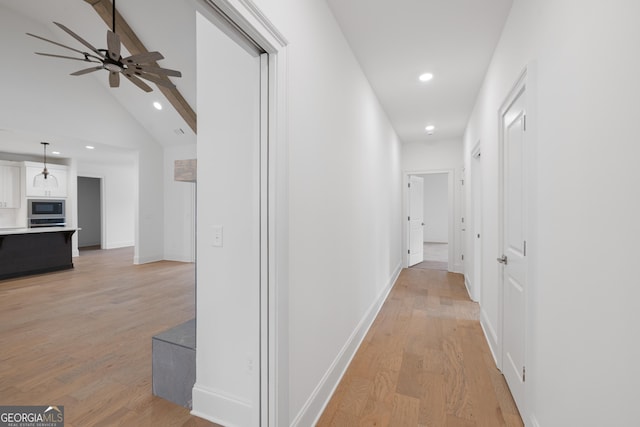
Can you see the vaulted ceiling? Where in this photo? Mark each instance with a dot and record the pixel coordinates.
(393, 41)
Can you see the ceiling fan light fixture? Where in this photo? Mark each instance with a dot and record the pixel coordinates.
(157, 105)
(135, 67)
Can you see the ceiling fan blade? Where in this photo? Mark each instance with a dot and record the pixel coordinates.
(56, 43)
(113, 45)
(136, 81)
(155, 79)
(86, 71)
(65, 57)
(114, 79)
(80, 39)
(157, 70)
(143, 58)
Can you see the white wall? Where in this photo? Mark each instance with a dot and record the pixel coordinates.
(228, 274)
(344, 203)
(179, 207)
(440, 156)
(582, 320)
(119, 198)
(436, 208)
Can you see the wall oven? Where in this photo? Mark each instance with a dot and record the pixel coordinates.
(46, 213)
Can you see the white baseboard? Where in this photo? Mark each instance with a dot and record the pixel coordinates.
(468, 286)
(533, 421)
(315, 405)
(116, 245)
(230, 411)
(178, 258)
(490, 335)
(146, 260)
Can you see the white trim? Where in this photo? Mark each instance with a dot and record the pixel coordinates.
(490, 334)
(534, 421)
(275, 280)
(475, 198)
(467, 284)
(145, 260)
(314, 406)
(116, 245)
(230, 411)
(103, 209)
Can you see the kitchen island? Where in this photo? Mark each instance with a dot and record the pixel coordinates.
(25, 251)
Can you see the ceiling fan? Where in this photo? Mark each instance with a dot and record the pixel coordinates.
(132, 67)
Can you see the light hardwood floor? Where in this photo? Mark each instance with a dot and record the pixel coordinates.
(82, 338)
(424, 362)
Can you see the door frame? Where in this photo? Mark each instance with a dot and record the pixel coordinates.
(103, 205)
(527, 81)
(476, 219)
(453, 245)
(274, 238)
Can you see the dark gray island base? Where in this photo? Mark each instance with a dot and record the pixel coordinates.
(34, 251)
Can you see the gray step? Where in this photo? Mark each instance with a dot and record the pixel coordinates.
(174, 363)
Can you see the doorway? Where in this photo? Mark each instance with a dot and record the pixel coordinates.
(476, 223)
(90, 213)
(430, 206)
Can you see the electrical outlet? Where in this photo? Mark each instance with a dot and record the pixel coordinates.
(217, 236)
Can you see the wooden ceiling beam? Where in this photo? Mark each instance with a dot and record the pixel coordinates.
(133, 44)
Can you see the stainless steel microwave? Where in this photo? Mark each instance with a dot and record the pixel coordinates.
(45, 209)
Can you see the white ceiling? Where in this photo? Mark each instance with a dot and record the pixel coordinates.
(393, 41)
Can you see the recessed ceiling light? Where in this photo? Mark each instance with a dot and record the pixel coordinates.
(425, 77)
(55, 152)
(89, 147)
(157, 105)
(430, 128)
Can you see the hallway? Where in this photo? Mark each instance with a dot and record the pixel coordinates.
(424, 362)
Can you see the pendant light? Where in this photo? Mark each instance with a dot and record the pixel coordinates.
(44, 179)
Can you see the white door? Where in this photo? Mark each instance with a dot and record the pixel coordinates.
(514, 247)
(416, 220)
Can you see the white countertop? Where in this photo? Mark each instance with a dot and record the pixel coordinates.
(12, 230)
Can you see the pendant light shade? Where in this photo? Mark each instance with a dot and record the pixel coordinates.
(45, 179)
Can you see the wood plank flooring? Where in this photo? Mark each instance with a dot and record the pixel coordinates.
(82, 338)
(424, 362)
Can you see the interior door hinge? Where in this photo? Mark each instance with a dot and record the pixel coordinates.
(462, 257)
(408, 218)
(524, 123)
(409, 185)
(525, 248)
(409, 251)
(523, 374)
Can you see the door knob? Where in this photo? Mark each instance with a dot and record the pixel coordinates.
(502, 260)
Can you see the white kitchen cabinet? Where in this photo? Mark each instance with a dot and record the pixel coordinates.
(54, 186)
(9, 187)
